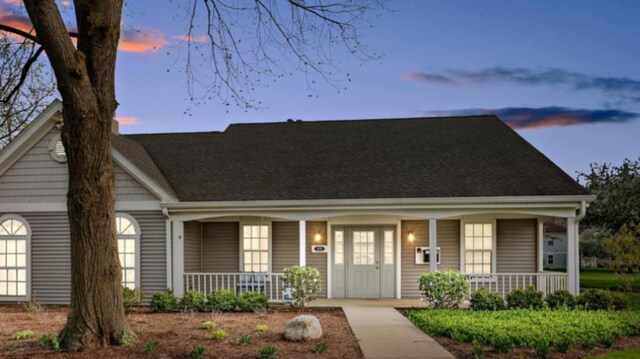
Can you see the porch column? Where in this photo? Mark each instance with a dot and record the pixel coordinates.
(303, 243)
(433, 245)
(542, 281)
(178, 258)
(573, 265)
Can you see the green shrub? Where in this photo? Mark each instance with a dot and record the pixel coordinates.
(221, 300)
(163, 302)
(132, 297)
(23, 334)
(51, 341)
(262, 328)
(208, 325)
(150, 347)
(484, 299)
(219, 334)
(525, 298)
(502, 343)
(565, 344)
(252, 301)
(595, 299)
(320, 347)
(267, 352)
(560, 299)
(245, 339)
(193, 301)
(196, 352)
(620, 301)
(477, 350)
(304, 281)
(443, 289)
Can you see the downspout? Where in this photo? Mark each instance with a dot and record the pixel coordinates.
(168, 248)
(582, 211)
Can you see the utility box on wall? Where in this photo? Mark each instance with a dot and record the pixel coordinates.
(423, 255)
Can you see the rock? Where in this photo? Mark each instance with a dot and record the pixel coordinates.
(303, 327)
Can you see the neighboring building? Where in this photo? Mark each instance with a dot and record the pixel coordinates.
(362, 201)
(555, 246)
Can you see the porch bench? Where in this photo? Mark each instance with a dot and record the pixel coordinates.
(251, 282)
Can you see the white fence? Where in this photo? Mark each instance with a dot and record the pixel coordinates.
(268, 283)
(505, 283)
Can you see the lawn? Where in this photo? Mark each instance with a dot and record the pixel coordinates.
(527, 331)
(624, 354)
(605, 278)
(177, 333)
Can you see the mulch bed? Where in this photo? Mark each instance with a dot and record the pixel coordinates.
(177, 333)
(463, 351)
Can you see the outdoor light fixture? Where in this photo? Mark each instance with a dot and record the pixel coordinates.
(317, 237)
(411, 236)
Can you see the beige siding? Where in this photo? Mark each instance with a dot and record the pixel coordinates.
(192, 247)
(516, 246)
(50, 254)
(448, 232)
(221, 247)
(285, 252)
(37, 177)
(318, 260)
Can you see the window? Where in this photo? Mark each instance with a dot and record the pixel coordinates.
(478, 244)
(255, 248)
(388, 247)
(339, 247)
(14, 236)
(550, 243)
(549, 258)
(56, 149)
(128, 234)
(363, 247)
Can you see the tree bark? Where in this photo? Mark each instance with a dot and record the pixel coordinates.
(86, 83)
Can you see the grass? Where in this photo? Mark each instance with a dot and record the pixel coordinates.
(605, 279)
(624, 354)
(541, 330)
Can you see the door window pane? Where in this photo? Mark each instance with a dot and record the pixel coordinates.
(363, 247)
(388, 247)
(339, 247)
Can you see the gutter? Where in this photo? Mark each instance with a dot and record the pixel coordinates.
(582, 211)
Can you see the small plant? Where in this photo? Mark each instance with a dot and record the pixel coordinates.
(443, 289)
(607, 341)
(23, 334)
(595, 299)
(219, 334)
(51, 341)
(192, 301)
(560, 299)
(304, 282)
(268, 352)
(150, 347)
(541, 348)
(132, 297)
(208, 325)
(320, 347)
(32, 306)
(163, 302)
(128, 339)
(262, 328)
(251, 301)
(525, 299)
(565, 344)
(245, 339)
(484, 299)
(221, 300)
(477, 349)
(502, 343)
(196, 352)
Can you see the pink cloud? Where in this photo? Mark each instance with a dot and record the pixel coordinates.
(13, 2)
(187, 38)
(127, 120)
(142, 40)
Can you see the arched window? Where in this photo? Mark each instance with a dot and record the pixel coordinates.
(128, 233)
(14, 245)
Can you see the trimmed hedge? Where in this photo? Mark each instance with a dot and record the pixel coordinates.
(525, 298)
(251, 301)
(221, 300)
(485, 299)
(163, 302)
(560, 299)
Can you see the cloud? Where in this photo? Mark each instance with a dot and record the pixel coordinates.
(187, 38)
(12, 2)
(15, 20)
(127, 120)
(527, 118)
(142, 39)
(623, 87)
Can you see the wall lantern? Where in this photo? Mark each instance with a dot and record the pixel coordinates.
(411, 236)
(317, 237)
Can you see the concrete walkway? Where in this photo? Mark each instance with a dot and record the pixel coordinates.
(383, 332)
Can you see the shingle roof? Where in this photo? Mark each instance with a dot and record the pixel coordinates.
(475, 156)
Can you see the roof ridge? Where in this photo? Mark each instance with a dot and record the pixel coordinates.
(292, 121)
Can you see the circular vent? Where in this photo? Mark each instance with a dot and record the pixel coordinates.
(56, 149)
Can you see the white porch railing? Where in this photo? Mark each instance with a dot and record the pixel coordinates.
(505, 283)
(270, 284)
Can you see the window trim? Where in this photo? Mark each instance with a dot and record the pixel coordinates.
(241, 245)
(138, 239)
(52, 149)
(494, 250)
(26, 297)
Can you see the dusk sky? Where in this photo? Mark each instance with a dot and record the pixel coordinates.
(565, 74)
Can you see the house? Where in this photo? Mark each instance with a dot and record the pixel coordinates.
(555, 246)
(366, 202)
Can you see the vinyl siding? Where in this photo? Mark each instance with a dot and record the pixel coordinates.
(50, 254)
(192, 247)
(318, 260)
(516, 246)
(221, 247)
(285, 251)
(448, 232)
(36, 177)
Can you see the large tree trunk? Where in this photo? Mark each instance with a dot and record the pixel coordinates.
(86, 83)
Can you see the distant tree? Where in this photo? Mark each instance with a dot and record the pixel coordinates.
(617, 190)
(625, 247)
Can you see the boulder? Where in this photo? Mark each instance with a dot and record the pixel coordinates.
(303, 327)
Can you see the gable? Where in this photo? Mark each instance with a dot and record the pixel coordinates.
(37, 178)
